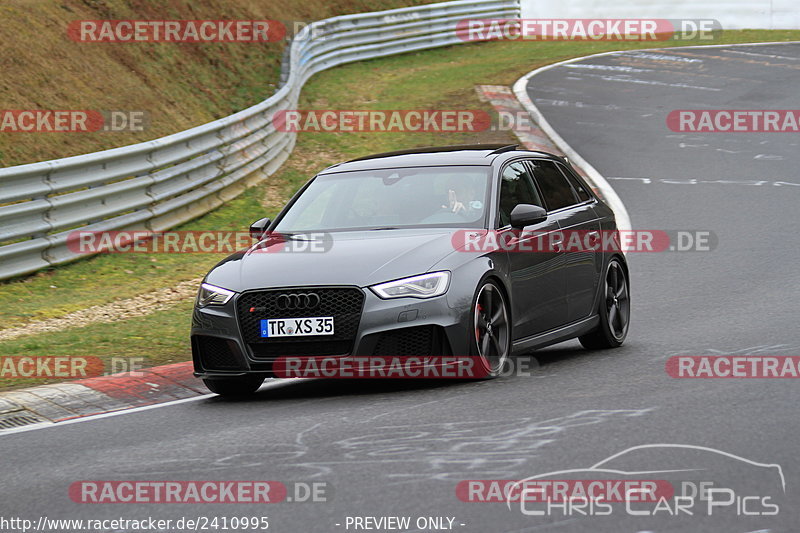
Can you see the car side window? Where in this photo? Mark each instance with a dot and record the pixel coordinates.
(553, 184)
(577, 185)
(516, 187)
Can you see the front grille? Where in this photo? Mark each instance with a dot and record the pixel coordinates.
(342, 303)
(216, 353)
(416, 341)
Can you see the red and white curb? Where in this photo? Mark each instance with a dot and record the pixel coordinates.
(60, 402)
(503, 100)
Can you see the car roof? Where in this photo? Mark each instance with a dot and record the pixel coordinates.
(467, 154)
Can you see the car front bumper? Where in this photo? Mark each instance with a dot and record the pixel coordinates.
(397, 327)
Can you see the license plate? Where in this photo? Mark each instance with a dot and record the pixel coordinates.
(296, 327)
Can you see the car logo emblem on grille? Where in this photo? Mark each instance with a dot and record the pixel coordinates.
(297, 301)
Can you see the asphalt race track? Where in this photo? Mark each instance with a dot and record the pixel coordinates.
(399, 448)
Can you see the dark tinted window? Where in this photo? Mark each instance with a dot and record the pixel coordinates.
(580, 189)
(516, 188)
(555, 188)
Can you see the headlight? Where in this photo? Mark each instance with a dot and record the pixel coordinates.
(211, 295)
(423, 286)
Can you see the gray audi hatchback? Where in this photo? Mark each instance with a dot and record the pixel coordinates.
(480, 251)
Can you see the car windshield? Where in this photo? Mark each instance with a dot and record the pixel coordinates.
(448, 196)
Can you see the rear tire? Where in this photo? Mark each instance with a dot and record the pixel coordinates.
(238, 387)
(614, 310)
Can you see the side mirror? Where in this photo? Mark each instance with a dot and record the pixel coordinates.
(527, 215)
(258, 227)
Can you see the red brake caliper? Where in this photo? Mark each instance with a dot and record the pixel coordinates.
(477, 331)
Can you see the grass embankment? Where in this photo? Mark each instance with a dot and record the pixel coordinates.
(442, 79)
(177, 85)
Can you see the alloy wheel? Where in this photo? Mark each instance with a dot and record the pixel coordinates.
(491, 327)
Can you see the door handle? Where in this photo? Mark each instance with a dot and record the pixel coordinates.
(593, 241)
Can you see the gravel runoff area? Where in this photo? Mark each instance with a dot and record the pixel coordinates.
(140, 305)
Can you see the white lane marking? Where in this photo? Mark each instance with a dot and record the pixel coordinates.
(616, 68)
(771, 56)
(694, 181)
(665, 57)
(578, 104)
(46, 425)
(759, 350)
(612, 198)
(624, 78)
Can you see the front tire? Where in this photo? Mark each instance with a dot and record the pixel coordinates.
(238, 387)
(614, 310)
(490, 338)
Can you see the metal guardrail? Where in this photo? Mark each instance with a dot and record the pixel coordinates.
(158, 184)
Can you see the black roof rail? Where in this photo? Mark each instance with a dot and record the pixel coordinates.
(493, 148)
(506, 148)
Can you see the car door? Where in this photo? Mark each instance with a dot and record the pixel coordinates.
(537, 277)
(569, 202)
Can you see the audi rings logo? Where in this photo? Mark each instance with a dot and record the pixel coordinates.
(297, 301)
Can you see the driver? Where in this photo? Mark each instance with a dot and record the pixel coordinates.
(462, 198)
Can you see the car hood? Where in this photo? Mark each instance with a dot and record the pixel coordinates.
(359, 258)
